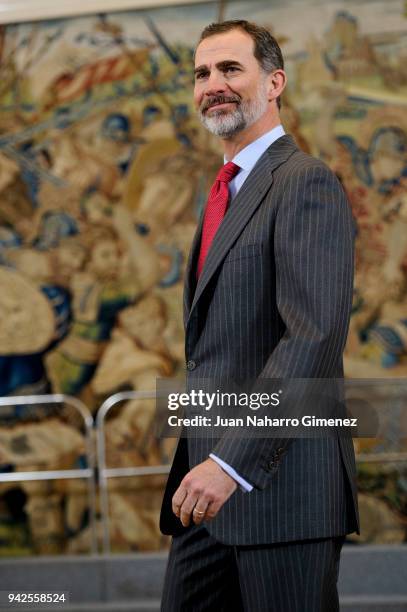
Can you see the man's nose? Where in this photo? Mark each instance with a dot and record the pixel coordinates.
(215, 84)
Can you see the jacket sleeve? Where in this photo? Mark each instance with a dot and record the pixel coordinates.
(313, 249)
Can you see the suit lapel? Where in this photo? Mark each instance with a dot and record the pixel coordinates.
(244, 205)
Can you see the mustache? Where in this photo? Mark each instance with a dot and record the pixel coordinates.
(218, 100)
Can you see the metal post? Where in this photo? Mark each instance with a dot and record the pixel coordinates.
(105, 473)
(87, 473)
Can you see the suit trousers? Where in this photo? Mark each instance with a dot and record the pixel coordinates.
(204, 575)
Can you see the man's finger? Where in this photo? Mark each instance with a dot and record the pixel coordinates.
(213, 509)
(186, 509)
(199, 513)
(178, 498)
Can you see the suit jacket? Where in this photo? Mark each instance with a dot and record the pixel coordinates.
(273, 301)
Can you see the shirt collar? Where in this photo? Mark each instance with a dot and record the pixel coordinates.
(247, 157)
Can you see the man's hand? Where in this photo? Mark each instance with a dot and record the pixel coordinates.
(202, 493)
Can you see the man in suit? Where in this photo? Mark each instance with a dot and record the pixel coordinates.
(258, 523)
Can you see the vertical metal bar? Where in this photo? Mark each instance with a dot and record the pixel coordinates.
(59, 398)
(101, 455)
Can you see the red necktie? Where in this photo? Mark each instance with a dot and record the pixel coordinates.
(215, 209)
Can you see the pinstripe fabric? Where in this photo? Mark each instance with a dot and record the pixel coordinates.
(204, 575)
(273, 301)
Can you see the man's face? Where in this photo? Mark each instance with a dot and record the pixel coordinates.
(230, 91)
(105, 259)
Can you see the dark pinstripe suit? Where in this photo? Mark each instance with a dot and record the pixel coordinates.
(273, 301)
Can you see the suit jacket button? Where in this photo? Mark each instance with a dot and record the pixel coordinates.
(191, 365)
(272, 465)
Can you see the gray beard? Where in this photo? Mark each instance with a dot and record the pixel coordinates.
(228, 123)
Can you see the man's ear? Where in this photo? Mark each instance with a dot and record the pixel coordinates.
(276, 82)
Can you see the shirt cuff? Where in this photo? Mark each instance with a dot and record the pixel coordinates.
(244, 485)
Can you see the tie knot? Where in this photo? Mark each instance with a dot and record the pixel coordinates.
(227, 172)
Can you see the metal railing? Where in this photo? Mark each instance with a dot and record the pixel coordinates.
(87, 473)
(97, 473)
(104, 473)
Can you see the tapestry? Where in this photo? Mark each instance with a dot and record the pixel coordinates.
(104, 171)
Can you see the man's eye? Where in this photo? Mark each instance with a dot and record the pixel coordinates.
(200, 75)
(231, 68)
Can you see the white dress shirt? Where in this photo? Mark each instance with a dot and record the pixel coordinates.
(246, 159)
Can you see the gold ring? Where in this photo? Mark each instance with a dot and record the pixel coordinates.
(199, 512)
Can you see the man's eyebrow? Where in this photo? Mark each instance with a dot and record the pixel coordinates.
(220, 65)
